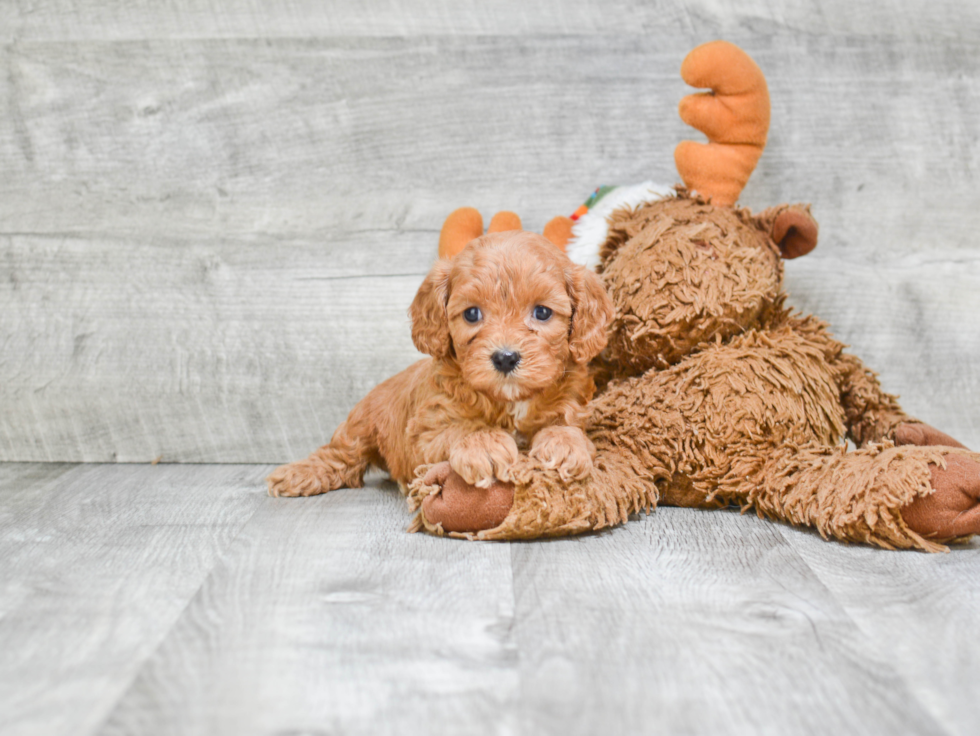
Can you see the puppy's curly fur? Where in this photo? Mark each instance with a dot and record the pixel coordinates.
(459, 405)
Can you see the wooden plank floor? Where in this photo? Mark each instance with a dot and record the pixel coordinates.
(182, 600)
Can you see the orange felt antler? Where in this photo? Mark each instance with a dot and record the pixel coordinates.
(559, 231)
(462, 226)
(466, 224)
(503, 221)
(734, 116)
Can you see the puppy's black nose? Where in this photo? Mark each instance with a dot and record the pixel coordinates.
(505, 360)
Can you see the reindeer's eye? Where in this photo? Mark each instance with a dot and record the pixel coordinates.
(542, 314)
(473, 315)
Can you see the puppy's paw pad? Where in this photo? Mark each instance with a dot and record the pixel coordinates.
(475, 468)
(575, 467)
(482, 457)
(566, 450)
(571, 463)
(295, 479)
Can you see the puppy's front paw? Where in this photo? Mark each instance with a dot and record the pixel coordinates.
(481, 457)
(296, 479)
(566, 449)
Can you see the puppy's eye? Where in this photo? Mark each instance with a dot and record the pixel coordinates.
(473, 315)
(542, 314)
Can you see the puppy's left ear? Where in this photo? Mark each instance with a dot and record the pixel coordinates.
(592, 310)
(430, 323)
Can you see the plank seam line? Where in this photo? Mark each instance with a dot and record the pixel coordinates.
(778, 527)
(179, 615)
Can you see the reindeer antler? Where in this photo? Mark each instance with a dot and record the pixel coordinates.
(734, 115)
(466, 224)
(460, 227)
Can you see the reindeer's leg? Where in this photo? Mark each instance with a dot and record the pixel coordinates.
(539, 503)
(868, 495)
(892, 497)
(871, 414)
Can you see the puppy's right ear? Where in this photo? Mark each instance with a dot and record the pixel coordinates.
(592, 311)
(430, 323)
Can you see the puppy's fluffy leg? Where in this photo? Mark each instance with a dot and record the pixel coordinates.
(566, 449)
(341, 464)
(484, 455)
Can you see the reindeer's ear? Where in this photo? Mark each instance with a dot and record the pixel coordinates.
(430, 323)
(791, 227)
(592, 311)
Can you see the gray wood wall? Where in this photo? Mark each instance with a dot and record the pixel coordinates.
(214, 215)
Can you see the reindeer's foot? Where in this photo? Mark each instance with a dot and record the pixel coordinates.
(915, 433)
(463, 507)
(952, 510)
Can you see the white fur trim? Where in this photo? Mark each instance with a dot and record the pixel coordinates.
(590, 230)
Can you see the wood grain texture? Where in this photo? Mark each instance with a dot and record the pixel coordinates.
(220, 352)
(328, 136)
(143, 19)
(914, 610)
(212, 217)
(694, 622)
(98, 562)
(27, 475)
(327, 617)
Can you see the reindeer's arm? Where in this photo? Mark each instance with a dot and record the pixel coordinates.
(871, 414)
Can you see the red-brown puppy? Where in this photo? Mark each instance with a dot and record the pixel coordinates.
(511, 325)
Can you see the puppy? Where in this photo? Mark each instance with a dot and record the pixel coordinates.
(511, 325)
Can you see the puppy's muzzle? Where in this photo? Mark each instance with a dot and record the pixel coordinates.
(505, 361)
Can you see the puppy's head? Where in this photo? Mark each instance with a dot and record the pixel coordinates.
(513, 312)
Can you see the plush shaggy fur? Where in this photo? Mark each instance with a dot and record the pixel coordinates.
(716, 394)
(462, 406)
(592, 228)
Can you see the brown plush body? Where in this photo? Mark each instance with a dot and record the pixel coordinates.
(717, 394)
